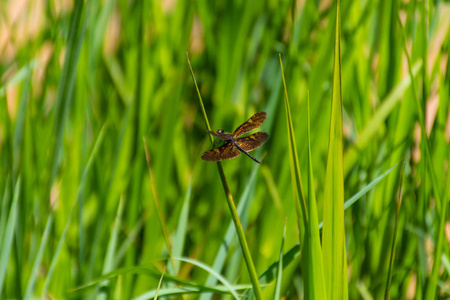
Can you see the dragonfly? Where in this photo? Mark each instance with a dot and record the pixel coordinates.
(233, 144)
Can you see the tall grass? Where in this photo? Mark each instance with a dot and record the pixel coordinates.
(104, 194)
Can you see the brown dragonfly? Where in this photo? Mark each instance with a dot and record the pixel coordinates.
(232, 143)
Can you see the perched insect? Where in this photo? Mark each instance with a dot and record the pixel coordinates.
(232, 143)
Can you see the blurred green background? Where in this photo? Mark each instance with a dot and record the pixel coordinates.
(83, 83)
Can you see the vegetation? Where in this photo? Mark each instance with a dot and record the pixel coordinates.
(102, 126)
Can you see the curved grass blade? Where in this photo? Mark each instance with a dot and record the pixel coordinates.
(219, 289)
(211, 271)
(151, 271)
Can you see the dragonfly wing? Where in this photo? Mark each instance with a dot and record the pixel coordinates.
(253, 141)
(254, 122)
(224, 152)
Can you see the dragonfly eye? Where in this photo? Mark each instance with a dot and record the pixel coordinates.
(220, 131)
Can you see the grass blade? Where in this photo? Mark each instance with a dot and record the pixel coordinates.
(394, 237)
(234, 214)
(66, 84)
(421, 117)
(182, 228)
(22, 74)
(38, 259)
(312, 258)
(269, 274)
(333, 239)
(108, 264)
(219, 289)
(221, 255)
(162, 219)
(211, 271)
(432, 285)
(388, 104)
(299, 202)
(80, 193)
(277, 294)
(430, 291)
(159, 284)
(8, 236)
(312, 264)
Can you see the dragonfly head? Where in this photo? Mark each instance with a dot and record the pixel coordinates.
(219, 130)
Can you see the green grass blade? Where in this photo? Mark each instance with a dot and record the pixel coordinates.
(66, 86)
(7, 148)
(297, 185)
(150, 270)
(131, 239)
(211, 271)
(182, 227)
(333, 238)
(112, 245)
(312, 258)
(159, 284)
(421, 117)
(430, 291)
(5, 206)
(80, 192)
(394, 238)
(21, 75)
(221, 255)
(371, 128)
(277, 294)
(269, 274)
(8, 236)
(162, 219)
(432, 285)
(20, 124)
(108, 264)
(234, 214)
(368, 187)
(219, 289)
(38, 259)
